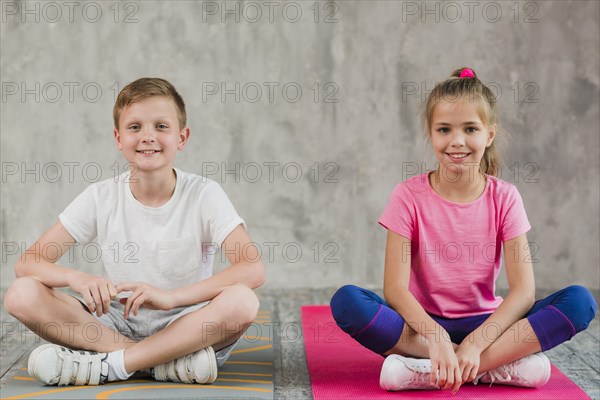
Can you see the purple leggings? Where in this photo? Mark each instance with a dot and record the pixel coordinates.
(367, 318)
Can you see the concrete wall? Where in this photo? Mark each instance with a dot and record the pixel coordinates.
(363, 68)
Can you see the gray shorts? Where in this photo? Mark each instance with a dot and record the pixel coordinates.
(148, 322)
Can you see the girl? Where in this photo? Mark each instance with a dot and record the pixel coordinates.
(441, 324)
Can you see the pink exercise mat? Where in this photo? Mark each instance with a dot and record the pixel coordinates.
(340, 368)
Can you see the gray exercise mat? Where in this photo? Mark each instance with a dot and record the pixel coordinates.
(248, 373)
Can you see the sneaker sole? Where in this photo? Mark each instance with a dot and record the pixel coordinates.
(213, 361)
(33, 356)
(547, 369)
(386, 373)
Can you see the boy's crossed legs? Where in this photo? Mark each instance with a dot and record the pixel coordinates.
(219, 324)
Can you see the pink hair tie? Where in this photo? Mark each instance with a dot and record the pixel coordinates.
(467, 73)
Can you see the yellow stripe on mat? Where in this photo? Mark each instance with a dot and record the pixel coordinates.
(259, 348)
(263, 338)
(244, 381)
(249, 362)
(107, 393)
(244, 374)
(66, 389)
(24, 396)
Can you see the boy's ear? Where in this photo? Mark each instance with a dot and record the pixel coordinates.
(118, 139)
(184, 135)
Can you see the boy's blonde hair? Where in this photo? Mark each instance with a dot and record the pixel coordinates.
(143, 88)
(456, 88)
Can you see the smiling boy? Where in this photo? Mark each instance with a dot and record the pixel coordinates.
(157, 307)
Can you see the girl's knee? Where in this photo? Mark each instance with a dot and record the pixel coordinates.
(365, 316)
(344, 301)
(582, 304)
(23, 295)
(343, 296)
(353, 307)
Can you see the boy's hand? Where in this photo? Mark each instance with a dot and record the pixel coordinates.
(95, 290)
(468, 360)
(144, 295)
(445, 370)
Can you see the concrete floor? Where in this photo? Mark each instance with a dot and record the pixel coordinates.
(579, 358)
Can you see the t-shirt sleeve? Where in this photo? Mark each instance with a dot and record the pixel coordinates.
(398, 216)
(515, 221)
(219, 217)
(79, 218)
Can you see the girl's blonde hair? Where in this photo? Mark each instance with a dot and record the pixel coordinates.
(469, 88)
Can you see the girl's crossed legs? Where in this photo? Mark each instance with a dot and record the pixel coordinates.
(551, 321)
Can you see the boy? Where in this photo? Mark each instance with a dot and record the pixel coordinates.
(156, 307)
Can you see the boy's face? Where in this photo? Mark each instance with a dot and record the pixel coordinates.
(149, 134)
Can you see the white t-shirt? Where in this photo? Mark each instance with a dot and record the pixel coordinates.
(168, 246)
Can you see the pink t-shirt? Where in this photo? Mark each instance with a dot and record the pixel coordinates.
(456, 249)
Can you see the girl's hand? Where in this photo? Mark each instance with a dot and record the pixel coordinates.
(468, 360)
(445, 370)
(95, 290)
(144, 295)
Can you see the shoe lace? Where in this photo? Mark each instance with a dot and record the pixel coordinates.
(503, 374)
(421, 375)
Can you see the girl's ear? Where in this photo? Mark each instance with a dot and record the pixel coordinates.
(492, 135)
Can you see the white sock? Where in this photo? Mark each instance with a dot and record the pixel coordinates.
(116, 366)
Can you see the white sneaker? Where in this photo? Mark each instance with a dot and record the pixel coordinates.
(198, 367)
(531, 371)
(403, 373)
(57, 365)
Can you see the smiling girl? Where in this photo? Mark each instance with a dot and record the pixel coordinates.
(441, 323)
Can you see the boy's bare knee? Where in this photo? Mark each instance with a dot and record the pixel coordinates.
(22, 296)
(243, 303)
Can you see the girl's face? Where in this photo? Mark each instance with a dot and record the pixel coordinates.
(459, 137)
